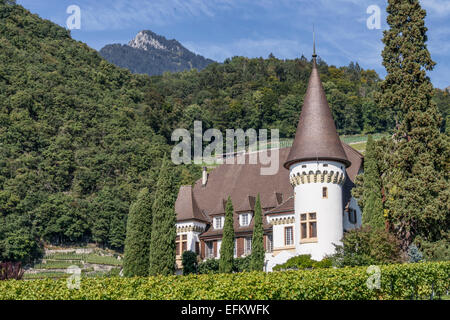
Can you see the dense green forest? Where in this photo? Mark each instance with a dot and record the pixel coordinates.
(79, 137)
(74, 144)
(268, 93)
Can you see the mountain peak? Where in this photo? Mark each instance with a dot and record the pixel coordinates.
(153, 54)
(148, 40)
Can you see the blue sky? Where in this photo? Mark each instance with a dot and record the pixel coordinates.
(219, 29)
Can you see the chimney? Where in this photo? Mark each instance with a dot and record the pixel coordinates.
(204, 177)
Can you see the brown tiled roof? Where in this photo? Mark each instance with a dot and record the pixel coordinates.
(186, 207)
(316, 136)
(357, 160)
(243, 182)
(246, 205)
(219, 209)
(285, 207)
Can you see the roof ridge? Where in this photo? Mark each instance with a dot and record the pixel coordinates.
(353, 149)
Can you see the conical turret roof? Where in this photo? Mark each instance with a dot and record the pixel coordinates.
(316, 137)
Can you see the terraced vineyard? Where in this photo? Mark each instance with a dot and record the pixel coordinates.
(357, 141)
(93, 263)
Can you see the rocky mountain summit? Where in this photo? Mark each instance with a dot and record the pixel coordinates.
(153, 54)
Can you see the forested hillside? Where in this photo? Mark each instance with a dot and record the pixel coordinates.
(74, 145)
(268, 93)
(442, 99)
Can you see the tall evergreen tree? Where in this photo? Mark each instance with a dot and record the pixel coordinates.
(227, 247)
(257, 257)
(373, 214)
(137, 242)
(162, 244)
(416, 179)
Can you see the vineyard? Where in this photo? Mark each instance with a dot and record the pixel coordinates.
(93, 263)
(403, 281)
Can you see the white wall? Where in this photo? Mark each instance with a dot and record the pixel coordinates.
(271, 261)
(192, 236)
(329, 211)
(219, 244)
(278, 230)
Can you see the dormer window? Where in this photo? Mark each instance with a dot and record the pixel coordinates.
(218, 223)
(244, 219)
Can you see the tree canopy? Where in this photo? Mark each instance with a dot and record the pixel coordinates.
(415, 161)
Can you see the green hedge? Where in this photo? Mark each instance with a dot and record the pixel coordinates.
(404, 281)
(302, 262)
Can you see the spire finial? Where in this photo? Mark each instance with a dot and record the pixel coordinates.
(314, 44)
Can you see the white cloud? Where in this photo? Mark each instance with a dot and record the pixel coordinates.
(120, 14)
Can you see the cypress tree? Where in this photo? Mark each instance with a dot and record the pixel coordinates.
(373, 205)
(257, 257)
(137, 242)
(227, 247)
(162, 244)
(416, 179)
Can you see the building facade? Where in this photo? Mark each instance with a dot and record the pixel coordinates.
(307, 206)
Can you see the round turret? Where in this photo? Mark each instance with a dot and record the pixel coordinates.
(317, 163)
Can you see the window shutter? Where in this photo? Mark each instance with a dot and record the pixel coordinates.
(197, 248)
(240, 247)
(202, 249)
